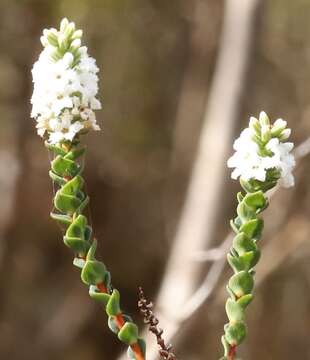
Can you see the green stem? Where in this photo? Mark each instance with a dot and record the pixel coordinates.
(243, 256)
(70, 201)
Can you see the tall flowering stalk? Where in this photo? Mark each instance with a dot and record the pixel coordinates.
(262, 159)
(63, 104)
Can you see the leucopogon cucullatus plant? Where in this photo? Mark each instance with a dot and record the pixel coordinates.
(262, 159)
(63, 104)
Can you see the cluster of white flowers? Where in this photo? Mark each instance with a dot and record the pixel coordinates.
(261, 148)
(65, 86)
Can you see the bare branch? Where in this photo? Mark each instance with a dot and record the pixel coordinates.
(201, 207)
(146, 309)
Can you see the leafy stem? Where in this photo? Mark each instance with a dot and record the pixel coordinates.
(70, 201)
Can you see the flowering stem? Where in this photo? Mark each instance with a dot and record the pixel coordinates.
(70, 201)
(261, 159)
(243, 256)
(64, 101)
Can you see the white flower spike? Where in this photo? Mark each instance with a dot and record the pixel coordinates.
(65, 86)
(261, 153)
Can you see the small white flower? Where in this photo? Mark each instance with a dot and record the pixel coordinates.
(260, 148)
(65, 85)
(73, 130)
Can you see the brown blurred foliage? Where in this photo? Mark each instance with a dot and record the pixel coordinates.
(143, 49)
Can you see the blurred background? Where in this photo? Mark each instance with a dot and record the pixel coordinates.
(161, 62)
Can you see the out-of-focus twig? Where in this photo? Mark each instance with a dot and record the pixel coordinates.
(146, 309)
(201, 206)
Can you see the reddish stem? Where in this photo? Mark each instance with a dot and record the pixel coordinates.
(120, 322)
(102, 288)
(137, 351)
(232, 352)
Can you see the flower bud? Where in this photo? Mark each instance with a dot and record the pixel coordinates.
(63, 24)
(70, 29)
(61, 41)
(264, 119)
(278, 126)
(75, 44)
(52, 38)
(254, 125)
(77, 34)
(285, 134)
(266, 133)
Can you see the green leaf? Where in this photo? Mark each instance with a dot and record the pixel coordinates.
(112, 325)
(255, 200)
(98, 296)
(234, 310)
(84, 203)
(73, 186)
(77, 245)
(56, 178)
(77, 228)
(253, 228)
(226, 346)
(64, 167)
(242, 243)
(55, 149)
(66, 203)
(113, 306)
(235, 263)
(75, 154)
(92, 251)
(240, 197)
(93, 272)
(64, 219)
(234, 227)
(249, 259)
(230, 292)
(241, 283)
(235, 333)
(128, 334)
(247, 186)
(245, 212)
(245, 300)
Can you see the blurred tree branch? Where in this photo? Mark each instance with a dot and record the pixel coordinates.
(201, 207)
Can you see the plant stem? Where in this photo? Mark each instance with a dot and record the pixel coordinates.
(70, 202)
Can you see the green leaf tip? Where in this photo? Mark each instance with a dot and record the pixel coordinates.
(128, 333)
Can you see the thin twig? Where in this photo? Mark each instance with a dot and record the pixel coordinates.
(146, 309)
